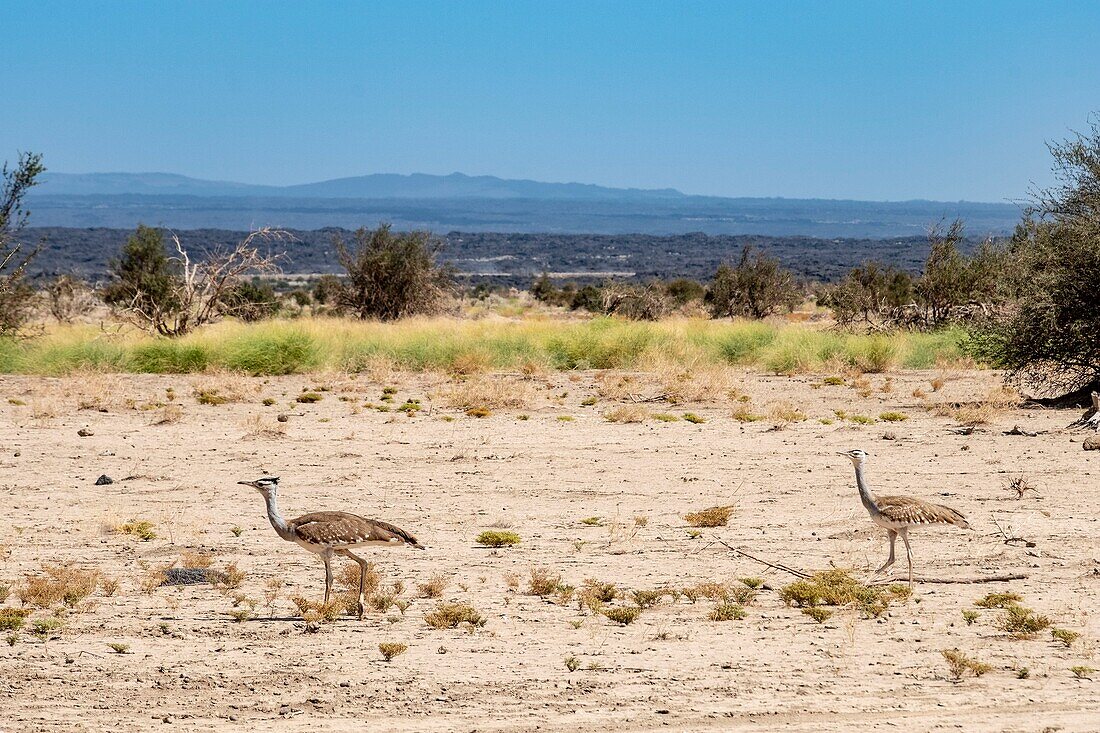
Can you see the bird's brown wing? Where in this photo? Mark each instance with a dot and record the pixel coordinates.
(342, 528)
(909, 510)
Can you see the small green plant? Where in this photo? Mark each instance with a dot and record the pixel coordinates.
(523, 417)
(592, 521)
(997, 600)
(694, 534)
(17, 402)
(744, 414)
(268, 401)
(833, 381)
(1023, 673)
(665, 417)
(893, 416)
(958, 664)
(861, 419)
(715, 516)
(391, 649)
(118, 648)
(1082, 672)
(1021, 622)
(727, 611)
(44, 628)
(572, 664)
(237, 531)
(970, 616)
(1065, 636)
(623, 616)
(308, 398)
(565, 418)
(817, 613)
(12, 619)
(693, 418)
(754, 583)
(497, 538)
(588, 401)
(452, 615)
(210, 397)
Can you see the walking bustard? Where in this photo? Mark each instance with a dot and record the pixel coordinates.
(331, 533)
(898, 513)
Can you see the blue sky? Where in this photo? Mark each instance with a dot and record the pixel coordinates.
(876, 100)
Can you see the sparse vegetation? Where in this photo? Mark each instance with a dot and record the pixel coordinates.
(997, 600)
(1065, 636)
(727, 611)
(139, 528)
(1021, 622)
(623, 616)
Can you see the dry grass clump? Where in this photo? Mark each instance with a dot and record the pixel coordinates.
(480, 411)
(498, 538)
(817, 613)
(699, 384)
(258, 426)
(1021, 622)
(648, 598)
(839, 588)
(140, 528)
(715, 516)
(452, 615)
(391, 649)
(543, 582)
(783, 414)
(195, 559)
(893, 416)
(12, 619)
(168, 415)
(970, 616)
(1065, 636)
(1082, 672)
(743, 413)
(627, 414)
(727, 611)
(489, 392)
(433, 587)
(997, 600)
(64, 584)
(710, 590)
(623, 616)
(959, 664)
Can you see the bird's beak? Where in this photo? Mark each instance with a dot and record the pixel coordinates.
(839, 453)
(248, 483)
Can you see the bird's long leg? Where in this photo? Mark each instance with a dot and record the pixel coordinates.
(327, 557)
(362, 579)
(893, 535)
(908, 552)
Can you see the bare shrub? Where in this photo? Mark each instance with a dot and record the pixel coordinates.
(715, 516)
(68, 298)
(172, 296)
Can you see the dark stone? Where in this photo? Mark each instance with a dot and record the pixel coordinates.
(104, 480)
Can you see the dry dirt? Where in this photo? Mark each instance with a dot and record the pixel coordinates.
(446, 477)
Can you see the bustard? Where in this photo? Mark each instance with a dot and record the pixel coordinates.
(898, 513)
(331, 533)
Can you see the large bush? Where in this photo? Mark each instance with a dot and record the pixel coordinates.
(757, 287)
(391, 276)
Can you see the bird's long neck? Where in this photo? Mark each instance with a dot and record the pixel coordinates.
(275, 516)
(865, 494)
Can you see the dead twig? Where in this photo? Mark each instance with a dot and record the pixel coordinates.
(776, 566)
(1009, 539)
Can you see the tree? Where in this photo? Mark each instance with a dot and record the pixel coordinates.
(16, 296)
(757, 287)
(172, 296)
(1048, 338)
(144, 278)
(390, 276)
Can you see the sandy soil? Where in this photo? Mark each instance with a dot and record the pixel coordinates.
(190, 666)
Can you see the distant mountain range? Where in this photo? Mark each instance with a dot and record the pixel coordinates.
(479, 204)
(374, 186)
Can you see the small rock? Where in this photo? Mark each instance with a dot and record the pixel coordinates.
(1091, 443)
(282, 418)
(104, 480)
(84, 433)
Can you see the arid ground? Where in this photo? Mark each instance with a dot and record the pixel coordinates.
(540, 465)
